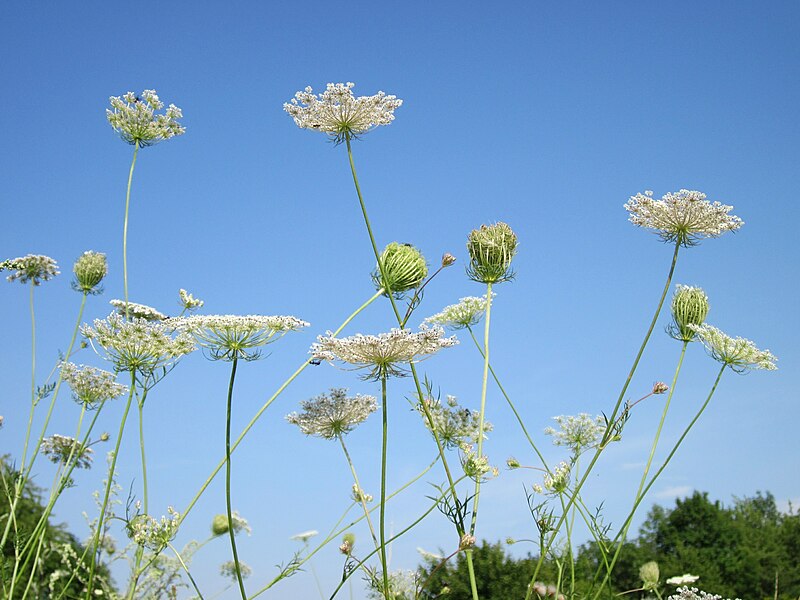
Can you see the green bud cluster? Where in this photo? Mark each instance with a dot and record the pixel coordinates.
(491, 249)
(403, 266)
(689, 307)
(89, 269)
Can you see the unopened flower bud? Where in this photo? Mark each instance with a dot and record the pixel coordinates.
(491, 249)
(105, 436)
(467, 541)
(89, 269)
(404, 268)
(689, 307)
(348, 542)
(219, 525)
(659, 387)
(512, 463)
(448, 259)
(510, 540)
(649, 574)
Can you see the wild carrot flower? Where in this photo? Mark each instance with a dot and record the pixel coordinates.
(58, 449)
(332, 416)
(137, 344)
(338, 113)
(683, 217)
(382, 354)
(33, 267)
(188, 301)
(359, 495)
(149, 532)
(737, 353)
(305, 535)
(577, 432)
(558, 480)
(139, 311)
(686, 593)
(453, 424)
(90, 269)
(133, 118)
(689, 307)
(649, 574)
(404, 267)
(91, 386)
(491, 249)
(682, 580)
(229, 337)
(228, 569)
(468, 312)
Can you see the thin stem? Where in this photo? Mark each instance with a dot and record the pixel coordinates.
(231, 531)
(360, 498)
(140, 550)
(186, 570)
(125, 228)
(266, 405)
(385, 429)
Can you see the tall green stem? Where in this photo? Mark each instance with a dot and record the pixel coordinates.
(385, 429)
(360, 492)
(125, 228)
(231, 530)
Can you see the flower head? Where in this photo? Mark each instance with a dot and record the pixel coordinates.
(219, 524)
(59, 449)
(149, 532)
(577, 432)
(338, 113)
(229, 337)
(468, 312)
(649, 574)
(189, 302)
(33, 267)
(137, 344)
(305, 535)
(89, 269)
(228, 569)
(558, 480)
(404, 267)
(139, 311)
(491, 249)
(453, 424)
(682, 579)
(348, 542)
(91, 386)
(133, 118)
(686, 593)
(332, 416)
(738, 353)
(683, 217)
(689, 307)
(382, 354)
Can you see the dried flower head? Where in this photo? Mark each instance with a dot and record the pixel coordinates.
(133, 118)
(333, 415)
(136, 310)
(338, 113)
(683, 217)
(189, 302)
(491, 249)
(453, 424)
(33, 267)
(228, 569)
(467, 313)
(229, 337)
(64, 449)
(689, 307)
(137, 344)
(659, 387)
(466, 541)
(348, 542)
(383, 354)
(149, 532)
(577, 432)
(91, 386)
(404, 266)
(90, 269)
(739, 354)
(219, 524)
(448, 259)
(649, 574)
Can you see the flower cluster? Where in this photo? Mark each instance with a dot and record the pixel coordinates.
(577, 432)
(453, 425)
(402, 585)
(189, 302)
(683, 217)
(404, 267)
(137, 344)
(139, 311)
(33, 267)
(383, 353)
(475, 467)
(333, 415)
(338, 113)
(649, 574)
(558, 480)
(89, 269)
(219, 524)
(547, 591)
(681, 580)
(359, 495)
(737, 353)
(229, 337)
(228, 569)
(91, 386)
(468, 312)
(59, 449)
(689, 307)
(305, 535)
(133, 118)
(149, 532)
(687, 593)
(491, 249)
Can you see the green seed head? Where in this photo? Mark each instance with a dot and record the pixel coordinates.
(491, 249)
(649, 574)
(89, 269)
(219, 525)
(689, 307)
(404, 267)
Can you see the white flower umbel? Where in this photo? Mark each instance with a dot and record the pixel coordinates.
(577, 432)
(91, 386)
(33, 267)
(383, 354)
(686, 593)
(467, 313)
(454, 425)
(682, 580)
(333, 415)
(137, 344)
(148, 532)
(59, 448)
(558, 480)
(304, 536)
(133, 118)
(228, 569)
(229, 337)
(189, 302)
(739, 354)
(683, 217)
(338, 113)
(140, 311)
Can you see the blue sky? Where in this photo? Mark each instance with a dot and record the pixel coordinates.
(546, 116)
